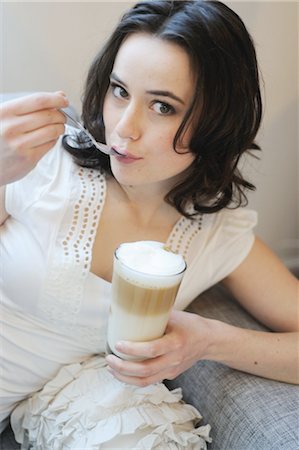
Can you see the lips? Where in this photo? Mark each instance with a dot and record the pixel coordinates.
(126, 159)
(125, 156)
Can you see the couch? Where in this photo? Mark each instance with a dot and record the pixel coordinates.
(245, 412)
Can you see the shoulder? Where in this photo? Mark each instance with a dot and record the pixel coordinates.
(208, 233)
(227, 236)
(230, 223)
(50, 173)
(214, 245)
(54, 162)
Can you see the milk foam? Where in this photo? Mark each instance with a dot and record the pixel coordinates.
(148, 264)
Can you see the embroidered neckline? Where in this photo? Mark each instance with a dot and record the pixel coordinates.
(183, 234)
(71, 254)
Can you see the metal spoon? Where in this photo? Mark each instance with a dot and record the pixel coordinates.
(102, 147)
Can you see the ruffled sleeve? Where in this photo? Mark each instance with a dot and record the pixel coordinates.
(232, 241)
(223, 242)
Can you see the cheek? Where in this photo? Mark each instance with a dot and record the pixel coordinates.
(184, 161)
(109, 115)
(106, 114)
(164, 140)
(166, 150)
(175, 162)
(165, 137)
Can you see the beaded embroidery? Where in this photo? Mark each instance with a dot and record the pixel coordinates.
(183, 234)
(70, 259)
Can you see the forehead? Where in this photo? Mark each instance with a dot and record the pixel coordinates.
(152, 60)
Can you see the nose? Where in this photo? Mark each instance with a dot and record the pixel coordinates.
(129, 123)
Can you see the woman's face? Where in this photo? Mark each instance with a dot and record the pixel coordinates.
(151, 88)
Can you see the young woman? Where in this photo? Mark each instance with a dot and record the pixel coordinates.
(176, 92)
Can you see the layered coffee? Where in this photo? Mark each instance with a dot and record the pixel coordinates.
(146, 278)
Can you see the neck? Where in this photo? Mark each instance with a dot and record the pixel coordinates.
(146, 202)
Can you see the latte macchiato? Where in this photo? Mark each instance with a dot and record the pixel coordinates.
(146, 278)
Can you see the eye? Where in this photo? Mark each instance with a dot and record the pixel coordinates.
(118, 91)
(163, 108)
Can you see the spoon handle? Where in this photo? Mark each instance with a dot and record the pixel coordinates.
(102, 147)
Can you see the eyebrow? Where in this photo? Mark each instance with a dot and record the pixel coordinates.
(161, 93)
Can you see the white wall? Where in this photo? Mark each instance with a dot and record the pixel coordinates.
(274, 27)
(49, 46)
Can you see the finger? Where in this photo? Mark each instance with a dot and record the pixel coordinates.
(37, 138)
(41, 150)
(34, 102)
(40, 119)
(141, 382)
(129, 368)
(30, 122)
(143, 369)
(150, 349)
(14, 171)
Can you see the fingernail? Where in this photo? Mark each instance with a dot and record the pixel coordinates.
(61, 93)
(121, 345)
(108, 358)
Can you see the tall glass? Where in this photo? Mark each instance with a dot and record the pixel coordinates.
(141, 301)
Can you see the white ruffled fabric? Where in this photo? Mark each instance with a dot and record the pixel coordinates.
(84, 407)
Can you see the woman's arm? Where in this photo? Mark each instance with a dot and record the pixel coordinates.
(270, 355)
(265, 288)
(30, 126)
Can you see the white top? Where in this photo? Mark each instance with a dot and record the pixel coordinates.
(46, 256)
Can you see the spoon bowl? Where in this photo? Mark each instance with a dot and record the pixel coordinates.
(100, 146)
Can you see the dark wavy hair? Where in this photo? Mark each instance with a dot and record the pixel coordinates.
(226, 110)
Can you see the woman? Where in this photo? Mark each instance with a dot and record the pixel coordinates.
(176, 92)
